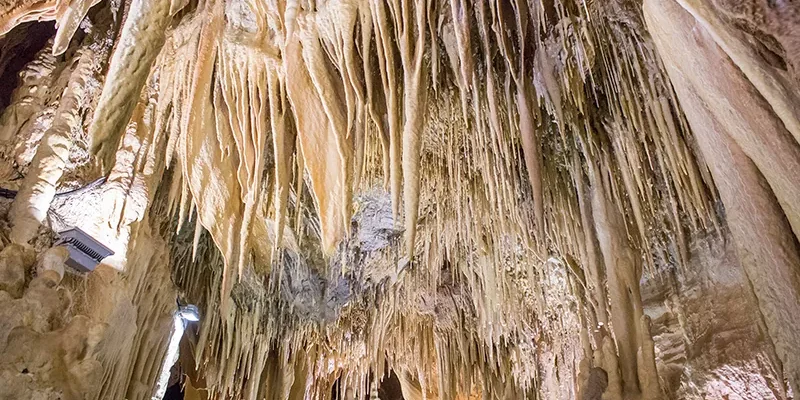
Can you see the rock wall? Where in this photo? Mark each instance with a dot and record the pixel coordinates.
(710, 338)
(71, 336)
(48, 352)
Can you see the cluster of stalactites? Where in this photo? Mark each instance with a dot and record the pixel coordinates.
(259, 100)
(262, 350)
(247, 85)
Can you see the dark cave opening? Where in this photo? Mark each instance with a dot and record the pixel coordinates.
(388, 389)
(17, 49)
(174, 392)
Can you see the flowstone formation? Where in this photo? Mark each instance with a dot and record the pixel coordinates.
(499, 199)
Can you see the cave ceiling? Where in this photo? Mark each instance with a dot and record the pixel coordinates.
(465, 192)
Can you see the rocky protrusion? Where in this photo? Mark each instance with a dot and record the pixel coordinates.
(47, 353)
(14, 262)
(52, 260)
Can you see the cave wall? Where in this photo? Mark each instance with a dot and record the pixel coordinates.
(710, 339)
(506, 199)
(70, 334)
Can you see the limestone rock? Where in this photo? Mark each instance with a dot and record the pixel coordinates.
(497, 199)
(14, 263)
(53, 260)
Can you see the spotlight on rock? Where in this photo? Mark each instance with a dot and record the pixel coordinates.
(189, 313)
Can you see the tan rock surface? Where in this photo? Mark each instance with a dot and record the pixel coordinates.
(501, 199)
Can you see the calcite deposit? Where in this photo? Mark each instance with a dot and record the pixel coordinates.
(418, 199)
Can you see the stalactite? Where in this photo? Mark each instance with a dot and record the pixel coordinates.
(141, 39)
(283, 140)
(623, 272)
(386, 66)
(593, 266)
(750, 121)
(320, 147)
(277, 123)
(415, 95)
(33, 201)
(69, 22)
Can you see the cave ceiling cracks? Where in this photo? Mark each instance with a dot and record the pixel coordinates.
(450, 188)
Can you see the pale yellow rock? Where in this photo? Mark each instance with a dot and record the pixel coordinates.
(591, 207)
(53, 260)
(14, 263)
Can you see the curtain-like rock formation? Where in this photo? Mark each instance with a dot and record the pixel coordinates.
(504, 198)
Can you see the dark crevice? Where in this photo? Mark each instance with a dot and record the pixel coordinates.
(388, 389)
(17, 49)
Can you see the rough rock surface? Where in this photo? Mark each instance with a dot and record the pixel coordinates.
(709, 334)
(501, 199)
(48, 351)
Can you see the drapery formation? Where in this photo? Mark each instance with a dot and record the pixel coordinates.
(519, 143)
(749, 142)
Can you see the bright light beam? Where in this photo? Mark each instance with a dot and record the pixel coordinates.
(182, 315)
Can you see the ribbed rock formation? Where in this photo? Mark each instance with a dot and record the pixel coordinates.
(502, 199)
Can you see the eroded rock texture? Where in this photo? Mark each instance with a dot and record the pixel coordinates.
(501, 199)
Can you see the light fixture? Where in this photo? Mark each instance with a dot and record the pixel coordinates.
(183, 314)
(85, 252)
(189, 313)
